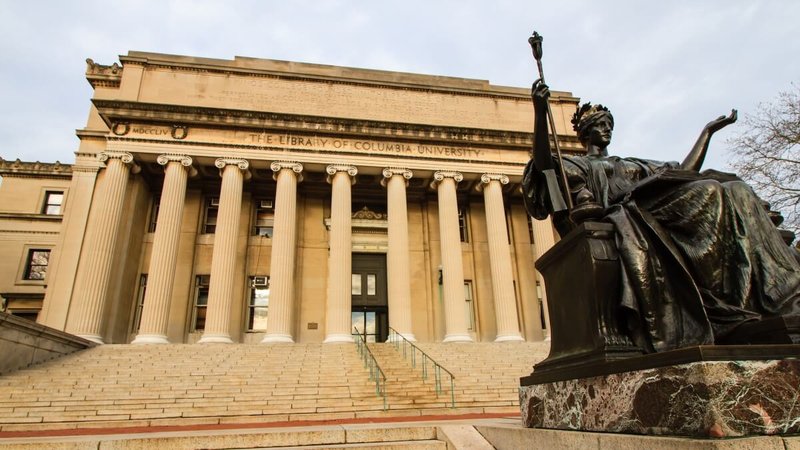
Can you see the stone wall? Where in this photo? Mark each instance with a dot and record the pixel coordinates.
(24, 343)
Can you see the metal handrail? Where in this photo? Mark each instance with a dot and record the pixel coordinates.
(375, 372)
(437, 368)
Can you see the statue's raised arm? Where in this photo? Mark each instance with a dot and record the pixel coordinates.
(694, 160)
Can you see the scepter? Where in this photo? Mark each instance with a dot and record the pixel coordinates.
(536, 47)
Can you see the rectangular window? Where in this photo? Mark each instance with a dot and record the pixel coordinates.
(200, 302)
(137, 314)
(355, 284)
(210, 215)
(36, 266)
(258, 307)
(463, 227)
(470, 307)
(52, 203)
(151, 227)
(264, 217)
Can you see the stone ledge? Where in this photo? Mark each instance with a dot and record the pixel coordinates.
(701, 399)
(24, 343)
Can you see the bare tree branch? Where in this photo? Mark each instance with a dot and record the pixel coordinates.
(767, 154)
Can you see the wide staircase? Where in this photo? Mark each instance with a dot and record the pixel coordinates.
(128, 386)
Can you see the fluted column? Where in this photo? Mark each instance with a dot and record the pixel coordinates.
(281, 275)
(397, 257)
(223, 257)
(96, 266)
(340, 262)
(452, 266)
(505, 307)
(161, 275)
(542, 241)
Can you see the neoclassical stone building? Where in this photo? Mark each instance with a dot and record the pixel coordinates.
(253, 200)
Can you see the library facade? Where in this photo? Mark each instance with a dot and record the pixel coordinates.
(253, 200)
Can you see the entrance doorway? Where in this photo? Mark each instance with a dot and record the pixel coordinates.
(370, 312)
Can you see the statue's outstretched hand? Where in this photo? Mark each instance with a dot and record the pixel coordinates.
(540, 93)
(722, 122)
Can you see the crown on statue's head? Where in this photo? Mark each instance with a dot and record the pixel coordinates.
(587, 111)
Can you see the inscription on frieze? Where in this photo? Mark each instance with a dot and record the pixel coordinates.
(316, 143)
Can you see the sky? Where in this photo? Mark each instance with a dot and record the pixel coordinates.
(663, 68)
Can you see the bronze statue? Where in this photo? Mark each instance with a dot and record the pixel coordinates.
(700, 258)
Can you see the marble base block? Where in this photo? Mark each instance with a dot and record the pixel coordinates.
(700, 399)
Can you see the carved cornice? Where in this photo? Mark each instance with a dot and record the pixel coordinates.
(439, 176)
(487, 178)
(36, 169)
(366, 214)
(99, 75)
(296, 167)
(334, 168)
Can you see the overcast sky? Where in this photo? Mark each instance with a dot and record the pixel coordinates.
(664, 68)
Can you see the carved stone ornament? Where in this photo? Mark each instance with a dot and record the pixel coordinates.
(334, 168)
(243, 164)
(125, 157)
(93, 68)
(487, 178)
(120, 128)
(441, 175)
(180, 132)
(295, 167)
(389, 172)
(166, 158)
(366, 214)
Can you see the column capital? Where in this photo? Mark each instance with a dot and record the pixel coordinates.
(389, 172)
(295, 167)
(487, 178)
(334, 168)
(243, 165)
(125, 157)
(184, 160)
(440, 175)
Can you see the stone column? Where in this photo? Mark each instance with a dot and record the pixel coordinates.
(223, 257)
(542, 241)
(340, 262)
(505, 306)
(281, 272)
(397, 256)
(452, 265)
(96, 266)
(161, 275)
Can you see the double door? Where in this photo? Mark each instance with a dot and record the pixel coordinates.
(369, 314)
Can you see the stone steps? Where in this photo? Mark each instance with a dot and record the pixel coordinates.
(127, 385)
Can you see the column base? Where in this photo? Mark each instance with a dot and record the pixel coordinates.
(409, 337)
(97, 339)
(338, 339)
(277, 339)
(458, 338)
(509, 338)
(215, 339)
(150, 339)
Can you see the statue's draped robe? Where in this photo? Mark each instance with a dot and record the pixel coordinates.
(699, 254)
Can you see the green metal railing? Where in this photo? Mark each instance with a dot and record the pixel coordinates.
(409, 349)
(375, 372)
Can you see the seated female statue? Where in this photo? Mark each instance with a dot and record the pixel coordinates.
(699, 254)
